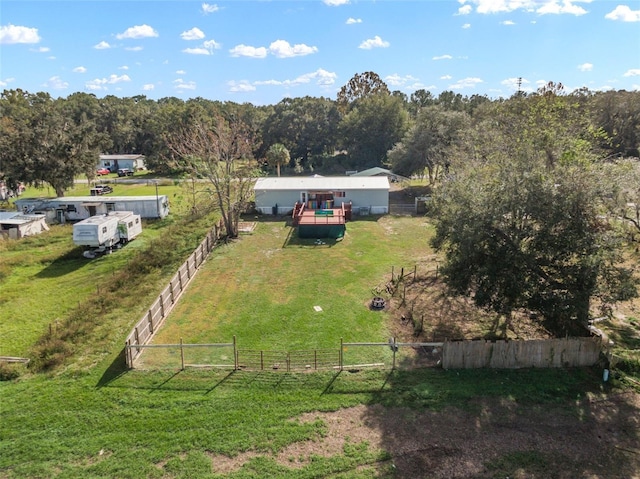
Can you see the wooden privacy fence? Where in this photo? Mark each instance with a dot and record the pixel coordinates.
(543, 353)
(144, 330)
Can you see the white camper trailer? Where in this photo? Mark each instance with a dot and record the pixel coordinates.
(102, 233)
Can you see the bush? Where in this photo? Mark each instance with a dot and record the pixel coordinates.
(8, 372)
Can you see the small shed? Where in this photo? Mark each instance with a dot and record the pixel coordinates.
(15, 225)
(114, 162)
(76, 208)
(367, 195)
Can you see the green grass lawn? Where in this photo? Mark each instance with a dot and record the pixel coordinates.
(93, 419)
(263, 287)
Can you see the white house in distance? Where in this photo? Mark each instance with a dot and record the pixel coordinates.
(367, 195)
(114, 162)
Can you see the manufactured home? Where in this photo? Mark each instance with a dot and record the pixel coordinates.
(76, 208)
(365, 195)
(107, 231)
(115, 162)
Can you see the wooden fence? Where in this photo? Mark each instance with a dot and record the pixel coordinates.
(547, 353)
(144, 330)
(543, 353)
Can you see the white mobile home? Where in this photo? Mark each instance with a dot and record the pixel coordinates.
(114, 162)
(75, 208)
(366, 194)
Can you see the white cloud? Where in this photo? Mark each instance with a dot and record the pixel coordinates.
(541, 7)
(181, 72)
(508, 22)
(623, 13)
(282, 49)
(320, 77)
(148, 87)
(139, 31)
(241, 86)
(79, 70)
(206, 48)
(585, 67)
(56, 83)
(208, 8)
(468, 82)
(335, 3)
(6, 81)
(375, 42)
(443, 57)
(632, 73)
(194, 34)
(41, 49)
(446, 77)
(466, 25)
(10, 34)
(211, 45)
(248, 51)
(400, 81)
(123, 67)
(133, 49)
(180, 84)
(196, 51)
(352, 21)
(102, 46)
(555, 7)
(101, 83)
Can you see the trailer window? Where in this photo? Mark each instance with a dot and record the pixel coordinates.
(104, 229)
(130, 224)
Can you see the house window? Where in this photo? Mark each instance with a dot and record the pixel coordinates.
(69, 208)
(339, 194)
(111, 206)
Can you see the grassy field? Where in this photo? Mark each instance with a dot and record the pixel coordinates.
(263, 287)
(91, 418)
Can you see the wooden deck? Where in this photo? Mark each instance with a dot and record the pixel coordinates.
(329, 216)
(321, 217)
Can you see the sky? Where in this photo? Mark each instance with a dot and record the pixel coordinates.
(260, 51)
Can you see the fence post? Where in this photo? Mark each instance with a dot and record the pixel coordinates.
(395, 348)
(392, 277)
(150, 321)
(261, 360)
(340, 355)
(315, 359)
(181, 356)
(288, 361)
(415, 272)
(161, 305)
(235, 354)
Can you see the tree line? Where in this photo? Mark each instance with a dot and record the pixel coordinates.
(533, 195)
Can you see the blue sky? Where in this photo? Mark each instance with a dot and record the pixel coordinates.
(263, 51)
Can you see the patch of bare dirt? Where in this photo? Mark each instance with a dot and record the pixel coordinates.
(595, 438)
